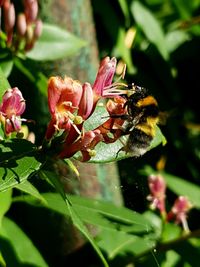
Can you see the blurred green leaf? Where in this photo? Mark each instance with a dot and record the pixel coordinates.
(55, 43)
(170, 232)
(6, 66)
(150, 26)
(99, 213)
(33, 74)
(115, 243)
(60, 203)
(4, 84)
(30, 189)
(18, 160)
(176, 38)
(184, 188)
(5, 202)
(16, 247)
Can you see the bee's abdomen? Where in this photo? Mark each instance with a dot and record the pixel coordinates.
(138, 142)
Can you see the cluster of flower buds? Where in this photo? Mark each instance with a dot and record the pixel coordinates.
(24, 28)
(180, 208)
(72, 103)
(11, 108)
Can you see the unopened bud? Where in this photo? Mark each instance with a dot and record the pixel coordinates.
(21, 24)
(2, 2)
(92, 152)
(78, 120)
(38, 29)
(9, 19)
(31, 10)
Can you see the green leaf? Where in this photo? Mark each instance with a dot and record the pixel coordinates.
(184, 188)
(176, 38)
(17, 249)
(150, 26)
(82, 228)
(4, 84)
(5, 203)
(30, 189)
(18, 160)
(55, 43)
(115, 243)
(67, 209)
(99, 213)
(6, 66)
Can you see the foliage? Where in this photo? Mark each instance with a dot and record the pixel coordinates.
(159, 43)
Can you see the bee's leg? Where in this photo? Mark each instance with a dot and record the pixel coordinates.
(122, 148)
(120, 116)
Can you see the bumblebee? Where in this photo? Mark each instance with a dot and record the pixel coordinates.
(140, 120)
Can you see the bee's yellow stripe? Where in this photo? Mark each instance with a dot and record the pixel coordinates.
(148, 127)
(149, 100)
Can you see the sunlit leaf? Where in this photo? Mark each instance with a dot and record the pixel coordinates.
(184, 188)
(115, 243)
(99, 213)
(4, 84)
(16, 247)
(175, 38)
(5, 202)
(150, 26)
(64, 205)
(55, 43)
(30, 189)
(18, 160)
(6, 66)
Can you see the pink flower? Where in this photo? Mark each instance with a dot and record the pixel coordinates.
(71, 103)
(64, 97)
(157, 196)
(179, 211)
(12, 107)
(104, 77)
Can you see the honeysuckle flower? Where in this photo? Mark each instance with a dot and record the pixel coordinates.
(157, 195)
(71, 103)
(104, 77)
(179, 211)
(12, 107)
(64, 97)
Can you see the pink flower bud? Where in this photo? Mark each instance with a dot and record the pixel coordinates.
(86, 102)
(21, 24)
(157, 188)
(9, 19)
(38, 29)
(12, 107)
(179, 211)
(31, 10)
(104, 76)
(2, 2)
